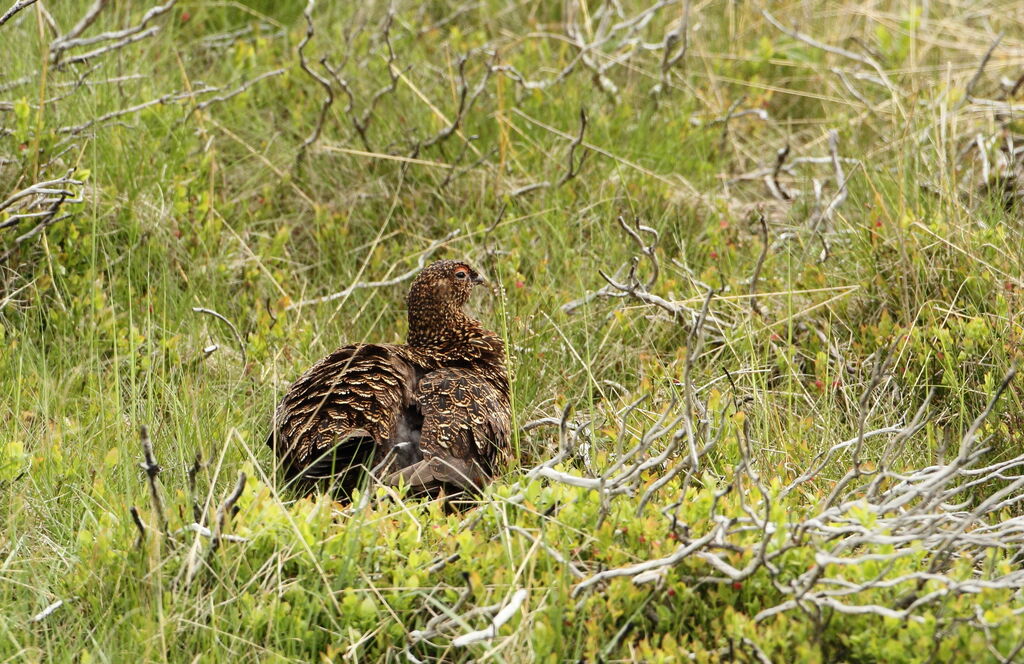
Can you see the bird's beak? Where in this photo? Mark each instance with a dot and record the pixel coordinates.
(477, 279)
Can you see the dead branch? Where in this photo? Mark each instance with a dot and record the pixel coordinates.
(426, 254)
(754, 306)
(774, 186)
(88, 18)
(134, 511)
(152, 469)
(223, 512)
(669, 59)
(237, 91)
(639, 570)
(193, 561)
(361, 122)
(324, 83)
(116, 39)
(732, 114)
(969, 90)
(883, 78)
(491, 631)
(573, 167)
(632, 287)
(837, 165)
(171, 97)
(57, 187)
(48, 219)
(621, 36)
(572, 170)
(914, 513)
(234, 330)
(15, 8)
(109, 48)
(193, 473)
(45, 613)
(40, 203)
(467, 100)
(456, 171)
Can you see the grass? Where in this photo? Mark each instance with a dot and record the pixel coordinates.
(218, 208)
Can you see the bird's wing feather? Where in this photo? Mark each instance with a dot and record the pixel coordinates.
(465, 416)
(355, 393)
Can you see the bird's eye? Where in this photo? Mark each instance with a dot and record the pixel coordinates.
(462, 273)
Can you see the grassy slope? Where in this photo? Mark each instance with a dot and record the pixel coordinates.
(210, 210)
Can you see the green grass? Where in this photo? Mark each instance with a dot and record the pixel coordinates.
(217, 208)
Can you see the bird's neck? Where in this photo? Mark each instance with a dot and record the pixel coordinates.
(439, 328)
(452, 335)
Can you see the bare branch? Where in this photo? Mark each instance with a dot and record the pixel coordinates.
(74, 130)
(754, 306)
(45, 613)
(15, 8)
(573, 167)
(134, 511)
(969, 90)
(223, 512)
(109, 48)
(835, 50)
(668, 58)
(234, 330)
(323, 82)
(773, 180)
(88, 18)
(152, 469)
(118, 38)
(237, 91)
(572, 170)
(427, 253)
(491, 631)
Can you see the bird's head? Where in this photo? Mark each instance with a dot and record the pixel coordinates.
(436, 317)
(443, 286)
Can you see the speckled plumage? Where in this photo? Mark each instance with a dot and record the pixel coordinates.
(434, 411)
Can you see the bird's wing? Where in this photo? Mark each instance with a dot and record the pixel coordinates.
(466, 417)
(341, 410)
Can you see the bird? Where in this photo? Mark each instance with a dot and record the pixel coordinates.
(433, 413)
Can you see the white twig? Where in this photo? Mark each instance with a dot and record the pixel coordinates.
(491, 630)
(15, 8)
(168, 98)
(234, 330)
(45, 613)
(434, 246)
(835, 50)
(237, 91)
(119, 38)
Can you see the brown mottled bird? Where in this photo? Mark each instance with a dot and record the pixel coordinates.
(434, 412)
